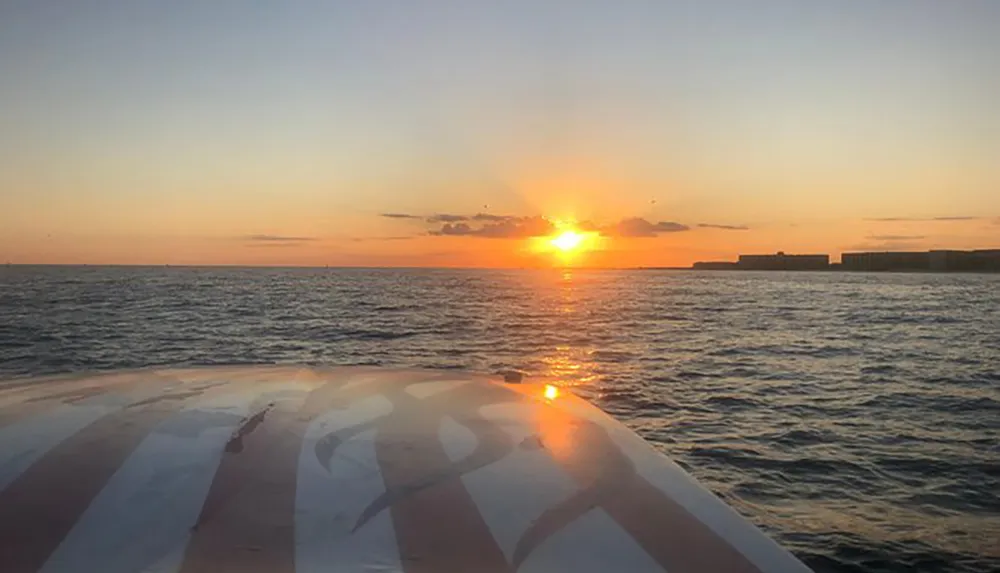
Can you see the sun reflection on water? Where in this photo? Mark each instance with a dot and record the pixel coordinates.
(551, 392)
(569, 363)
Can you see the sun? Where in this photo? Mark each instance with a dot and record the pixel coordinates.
(567, 241)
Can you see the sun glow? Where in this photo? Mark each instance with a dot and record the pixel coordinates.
(567, 241)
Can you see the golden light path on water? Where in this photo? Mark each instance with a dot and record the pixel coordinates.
(569, 365)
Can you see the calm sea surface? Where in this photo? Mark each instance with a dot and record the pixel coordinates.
(855, 417)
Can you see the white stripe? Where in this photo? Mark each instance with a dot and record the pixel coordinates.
(330, 500)
(513, 492)
(26, 441)
(42, 388)
(356, 381)
(21, 395)
(142, 518)
(678, 485)
(457, 440)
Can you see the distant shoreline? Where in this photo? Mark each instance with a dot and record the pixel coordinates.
(938, 261)
(832, 269)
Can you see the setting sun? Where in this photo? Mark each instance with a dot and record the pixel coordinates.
(567, 241)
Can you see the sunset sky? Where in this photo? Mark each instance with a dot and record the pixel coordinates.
(445, 133)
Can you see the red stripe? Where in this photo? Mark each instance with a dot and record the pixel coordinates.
(438, 528)
(671, 535)
(246, 524)
(247, 521)
(16, 412)
(41, 506)
(677, 540)
(33, 405)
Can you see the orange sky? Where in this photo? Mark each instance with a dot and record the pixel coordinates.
(191, 134)
(668, 249)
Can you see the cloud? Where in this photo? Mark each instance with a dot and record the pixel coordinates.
(881, 243)
(881, 247)
(490, 217)
(393, 238)
(400, 216)
(896, 237)
(277, 239)
(724, 227)
(456, 229)
(639, 227)
(278, 245)
(925, 219)
(446, 218)
(509, 228)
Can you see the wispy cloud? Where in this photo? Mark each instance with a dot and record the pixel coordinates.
(924, 219)
(724, 227)
(400, 216)
(438, 218)
(393, 238)
(639, 227)
(509, 228)
(446, 218)
(277, 239)
(896, 237)
(877, 243)
(491, 217)
(879, 247)
(273, 245)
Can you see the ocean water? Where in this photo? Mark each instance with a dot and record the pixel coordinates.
(854, 417)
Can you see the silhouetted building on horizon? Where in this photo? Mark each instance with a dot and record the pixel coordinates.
(887, 261)
(983, 260)
(782, 262)
(980, 261)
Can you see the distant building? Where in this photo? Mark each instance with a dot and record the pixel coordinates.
(887, 261)
(949, 260)
(979, 261)
(783, 262)
(986, 260)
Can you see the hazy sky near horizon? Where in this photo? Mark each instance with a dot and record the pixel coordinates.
(280, 133)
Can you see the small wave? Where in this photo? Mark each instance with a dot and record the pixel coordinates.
(612, 355)
(732, 402)
(804, 437)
